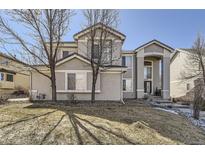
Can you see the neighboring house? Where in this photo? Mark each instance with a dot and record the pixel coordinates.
(178, 86)
(147, 70)
(12, 75)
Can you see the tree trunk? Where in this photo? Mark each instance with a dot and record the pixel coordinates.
(196, 110)
(198, 92)
(94, 79)
(53, 84)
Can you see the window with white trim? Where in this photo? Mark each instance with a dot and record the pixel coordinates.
(81, 81)
(77, 81)
(9, 77)
(127, 85)
(104, 48)
(127, 61)
(65, 53)
(147, 72)
(71, 81)
(96, 51)
(107, 53)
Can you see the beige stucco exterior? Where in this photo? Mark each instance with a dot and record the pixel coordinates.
(108, 85)
(21, 77)
(178, 86)
(110, 81)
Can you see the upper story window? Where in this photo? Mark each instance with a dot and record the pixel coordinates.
(65, 54)
(127, 61)
(106, 51)
(9, 77)
(96, 51)
(1, 76)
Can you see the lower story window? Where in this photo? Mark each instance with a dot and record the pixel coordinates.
(71, 81)
(127, 85)
(9, 78)
(77, 81)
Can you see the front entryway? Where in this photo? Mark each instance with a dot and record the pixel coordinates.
(148, 71)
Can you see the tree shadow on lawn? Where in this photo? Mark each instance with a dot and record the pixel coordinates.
(22, 122)
(110, 112)
(77, 124)
(27, 119)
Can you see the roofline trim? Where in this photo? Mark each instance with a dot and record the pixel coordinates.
(156, 42)
(74, 55)
(98, 25)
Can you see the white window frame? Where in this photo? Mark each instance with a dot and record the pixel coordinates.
(131, 58)
(64, 51)
(76, 74)
(77, 91)
(132, 70)
(152, 74)
(131, 88)
(6, 77)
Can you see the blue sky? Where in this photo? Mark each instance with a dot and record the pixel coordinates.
(177, 28)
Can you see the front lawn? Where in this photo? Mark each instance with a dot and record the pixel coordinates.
(100, 123)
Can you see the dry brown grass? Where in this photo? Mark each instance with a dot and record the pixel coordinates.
(104, 123)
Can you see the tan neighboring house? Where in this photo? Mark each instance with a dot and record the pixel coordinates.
(178, 86)
(147, 70)
(13, 75)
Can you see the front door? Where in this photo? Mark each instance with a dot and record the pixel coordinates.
(148, 87)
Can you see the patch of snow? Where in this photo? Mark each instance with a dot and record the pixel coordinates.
(17, 99)
(167, 110)
(186, 112)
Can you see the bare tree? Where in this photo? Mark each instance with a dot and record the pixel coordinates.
(195, 70)
(98, 40)
(39, 38)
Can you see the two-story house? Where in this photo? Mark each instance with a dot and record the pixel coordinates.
(147, 70)
(74, 73)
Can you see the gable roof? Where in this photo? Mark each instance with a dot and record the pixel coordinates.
(154, 41)
(100, 25)
(84, 59)
(7, 71)
(71, 56)
(185, 49)
(6, 56)
(178, 50)
(10, 58)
